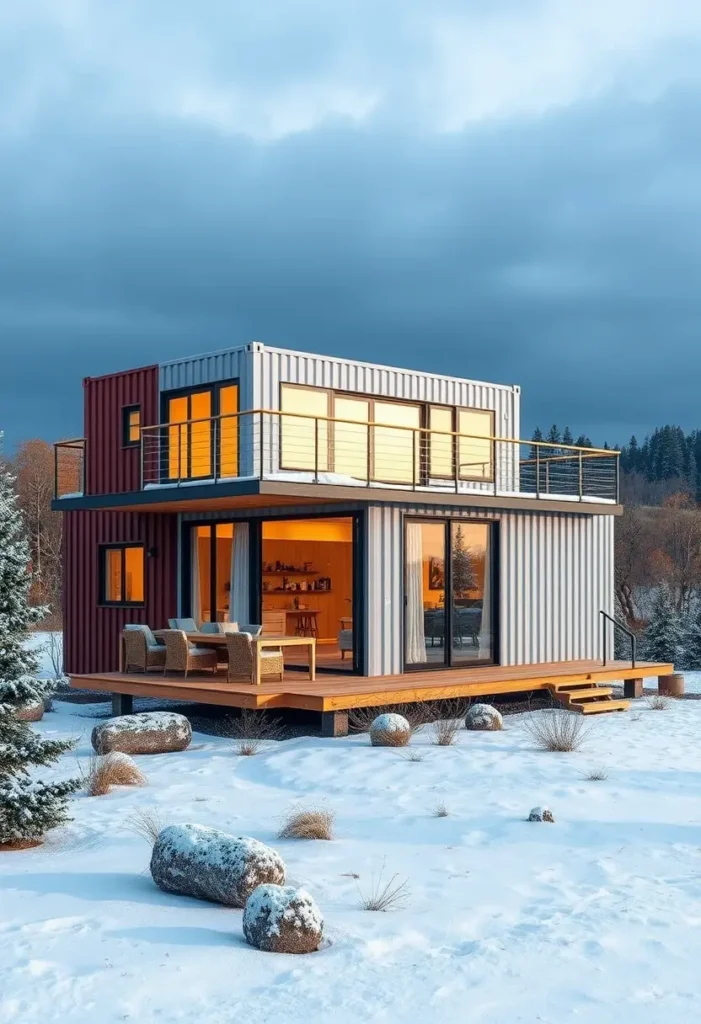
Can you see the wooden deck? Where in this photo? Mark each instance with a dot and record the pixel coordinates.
(331, 693)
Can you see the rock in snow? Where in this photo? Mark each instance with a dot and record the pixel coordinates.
(31, 712)
(281, 919)
(390, 731)
(483, 717)
(152, 732)
(197, 861)
(541, 814)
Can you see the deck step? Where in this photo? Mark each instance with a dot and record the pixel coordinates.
(597, 707)
(586, 693)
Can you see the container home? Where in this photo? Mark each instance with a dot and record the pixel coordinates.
(392, 517)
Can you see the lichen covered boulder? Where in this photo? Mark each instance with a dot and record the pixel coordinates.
(282, 919)
(390, 731)
(194, 860)
(152, 732)
(31, 712)
(541, 814)
(483, 717)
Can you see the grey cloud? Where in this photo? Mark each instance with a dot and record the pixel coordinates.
(559, 252)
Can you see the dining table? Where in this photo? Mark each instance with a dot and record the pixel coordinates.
(217, 641)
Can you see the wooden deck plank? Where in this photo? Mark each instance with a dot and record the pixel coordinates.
(338, 692)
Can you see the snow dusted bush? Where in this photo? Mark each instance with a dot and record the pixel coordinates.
(483, 717)
(281, 919)
(28, 806)
(152, 732)
(557, 729)
(541, 814)
(390, 731)
(211, 865)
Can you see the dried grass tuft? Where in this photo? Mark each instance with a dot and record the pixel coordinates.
(558, 730)
(308, 824)
(390, 894)
(146, 824)
(251, 729)
(596, 774)
(445, 731)
(658, 702)
(413, 755)
(441, 811)
(114, 769)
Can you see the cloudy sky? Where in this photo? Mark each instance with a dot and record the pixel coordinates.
(500, 189)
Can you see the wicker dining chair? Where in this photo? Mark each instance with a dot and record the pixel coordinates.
(241, 658)
(182, 656)
(141, 649)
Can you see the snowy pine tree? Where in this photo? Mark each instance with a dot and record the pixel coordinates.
(689, 657)
(662, 639)
(28, 808)
(464, 577)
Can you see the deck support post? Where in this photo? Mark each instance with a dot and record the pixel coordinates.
(632, 688)
(334, 723)
(122, 704)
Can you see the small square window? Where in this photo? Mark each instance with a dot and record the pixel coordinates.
(131, 425)
(122, 574)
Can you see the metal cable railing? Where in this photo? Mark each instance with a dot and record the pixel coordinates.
(270, 444)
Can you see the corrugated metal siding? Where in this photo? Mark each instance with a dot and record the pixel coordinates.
(91, 632)
(233, 364)
(275, 366)
(556, 575)
(110, 468)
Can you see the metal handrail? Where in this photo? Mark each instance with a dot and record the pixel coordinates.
(605, 617)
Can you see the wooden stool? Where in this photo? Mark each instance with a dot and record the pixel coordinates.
(306, 625)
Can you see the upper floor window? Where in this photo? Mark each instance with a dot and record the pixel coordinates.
(194, 421)
(465, 434)
(131, 425)
(122, 574)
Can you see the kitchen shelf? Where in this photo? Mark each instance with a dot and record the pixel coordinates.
(295, 592)
(291, 572)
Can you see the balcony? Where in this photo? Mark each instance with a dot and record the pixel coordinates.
(290, 447)
(340, 457)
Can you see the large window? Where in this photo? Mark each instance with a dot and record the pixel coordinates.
(449, 593)
(122, 574)
(305, 438)
(396, 446)
(191, 429)
(475, 446)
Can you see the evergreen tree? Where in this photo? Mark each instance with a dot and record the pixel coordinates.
(689, 657)
(28, 808)
(463, 573)
(567, 436)
(537, 436)
(583, 441)
(553, 438)
(662, 639)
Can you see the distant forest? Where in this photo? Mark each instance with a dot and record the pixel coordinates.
(667, 462)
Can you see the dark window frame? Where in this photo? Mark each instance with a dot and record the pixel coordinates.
(495, 601)
(214, 388)
(126, 425)
(103, 601)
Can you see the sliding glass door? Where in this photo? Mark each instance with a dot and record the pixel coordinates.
(449, 593)
(219, 573)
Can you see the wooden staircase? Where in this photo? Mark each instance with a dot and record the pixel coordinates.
(587, 697)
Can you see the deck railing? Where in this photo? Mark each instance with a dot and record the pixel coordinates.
(69, 467)
(269, 444)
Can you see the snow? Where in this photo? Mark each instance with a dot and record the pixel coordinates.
(149, 721)
(594, 919)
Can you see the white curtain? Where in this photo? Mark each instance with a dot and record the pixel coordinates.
(196, 603)
(486, 627)
(415, 638)
(239, 597)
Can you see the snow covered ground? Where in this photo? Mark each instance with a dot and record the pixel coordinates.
(596, 918)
